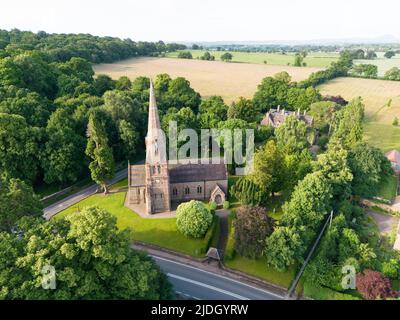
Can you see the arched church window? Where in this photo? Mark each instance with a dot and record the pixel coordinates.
(158, 169)
(199, 189)
(187, 190)
(175, 191)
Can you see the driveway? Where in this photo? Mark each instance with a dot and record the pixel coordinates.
(385, 222)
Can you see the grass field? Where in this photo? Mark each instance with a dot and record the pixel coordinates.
(319, 60)
(382, 105)
(382, 63)
(160, 232)
(230, 80)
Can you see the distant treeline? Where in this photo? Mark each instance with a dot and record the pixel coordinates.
(62, 47)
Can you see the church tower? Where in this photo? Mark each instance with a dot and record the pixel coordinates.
(157, 175)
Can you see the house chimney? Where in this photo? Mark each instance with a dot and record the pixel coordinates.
(298, 111)
(283, 111)
(278, 108)
(304, 112)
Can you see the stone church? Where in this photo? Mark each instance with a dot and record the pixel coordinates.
(160, 185)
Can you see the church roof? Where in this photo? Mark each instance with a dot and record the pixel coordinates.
(197, 172)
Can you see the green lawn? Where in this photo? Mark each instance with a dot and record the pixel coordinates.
(319, 293)
(258, 268)
(120, 184)
(319, 60)
(160, 232)
(388, 188)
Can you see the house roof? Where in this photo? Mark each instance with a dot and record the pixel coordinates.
(197, 172)
(276, 117)
(393, 156)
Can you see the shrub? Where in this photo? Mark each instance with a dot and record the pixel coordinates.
(252, 226)
(391, 268)
(395, 121)
(213, 206)
(185, 55)
(193, 219)
(226, 205)
(373, 285)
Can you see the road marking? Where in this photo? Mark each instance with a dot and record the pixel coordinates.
(217, 275)
(201, 284)
(187, 295)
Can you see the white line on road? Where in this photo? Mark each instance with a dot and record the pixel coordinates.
(237, 296)
(217, 275)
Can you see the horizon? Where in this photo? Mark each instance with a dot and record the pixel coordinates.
(180, 21)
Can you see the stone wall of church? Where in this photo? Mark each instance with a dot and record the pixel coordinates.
(137, 195)
(198, 190)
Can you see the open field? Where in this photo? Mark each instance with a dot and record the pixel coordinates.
(382, 105)
(230, 80)
(382, 63)
(318, 59)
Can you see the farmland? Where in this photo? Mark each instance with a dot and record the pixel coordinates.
(382, 63)
(229, 80)
(319, 59)
(382, 105)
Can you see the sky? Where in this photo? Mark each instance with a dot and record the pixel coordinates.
(207, 20)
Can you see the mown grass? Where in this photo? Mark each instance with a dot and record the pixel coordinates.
(383, 136)
(320, 60)
(320, 293)
(258, 268)
(160, 232)
(387, 188)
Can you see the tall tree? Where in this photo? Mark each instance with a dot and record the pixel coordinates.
(292, 135)
(252, 226)
(269, 170)
(92, 260)
(17, 200)
(272, 92)
(102, 167)
(211, 112)
(18, 148)
(348, 127)
(243, 109)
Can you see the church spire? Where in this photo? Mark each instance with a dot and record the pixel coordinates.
(154, 120)
(155, 139)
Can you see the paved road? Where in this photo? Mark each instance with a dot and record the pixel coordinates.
(198, 284)
(55, 208)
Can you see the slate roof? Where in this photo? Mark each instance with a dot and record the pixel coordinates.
(276, 117)
(197, 172)
(137, 175)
